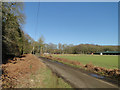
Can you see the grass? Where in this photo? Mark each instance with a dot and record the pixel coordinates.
(52, 81)
(43, 78)
(107, 61)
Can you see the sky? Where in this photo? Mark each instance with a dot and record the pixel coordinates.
(73, 22)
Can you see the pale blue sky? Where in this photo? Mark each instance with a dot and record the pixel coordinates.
(73, 23)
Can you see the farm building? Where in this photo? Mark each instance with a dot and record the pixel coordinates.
(108, 53)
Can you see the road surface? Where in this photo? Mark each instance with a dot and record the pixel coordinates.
(76, 77)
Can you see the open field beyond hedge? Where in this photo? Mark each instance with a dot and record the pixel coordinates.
(107, 61)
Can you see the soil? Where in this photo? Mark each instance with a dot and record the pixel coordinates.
(19, 68)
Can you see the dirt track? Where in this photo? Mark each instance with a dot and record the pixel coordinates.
(77, 78)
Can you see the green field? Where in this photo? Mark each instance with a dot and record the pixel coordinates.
(107, 61)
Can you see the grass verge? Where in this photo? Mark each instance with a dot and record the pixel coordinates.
(43, 78)
(29, 72)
